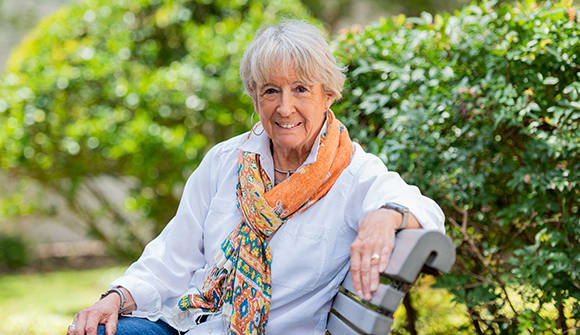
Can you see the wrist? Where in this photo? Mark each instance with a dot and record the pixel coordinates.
(395, 218)
(129, 302)
(402, 214)
(113, 298)
(118, 296)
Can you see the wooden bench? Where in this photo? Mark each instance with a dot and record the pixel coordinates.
(416, 251)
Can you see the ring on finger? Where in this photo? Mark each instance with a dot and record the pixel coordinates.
(375, 257)
(71, 327)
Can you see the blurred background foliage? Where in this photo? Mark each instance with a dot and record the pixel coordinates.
(132, 90)
(482, 110)
(338, 13)
(110, 105)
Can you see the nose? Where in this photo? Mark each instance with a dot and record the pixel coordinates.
(286, 106)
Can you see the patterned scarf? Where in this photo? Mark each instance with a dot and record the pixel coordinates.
(240, 281)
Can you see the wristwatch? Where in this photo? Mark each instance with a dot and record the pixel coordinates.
(117, 290)
(401, 209)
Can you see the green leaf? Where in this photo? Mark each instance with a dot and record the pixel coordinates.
(550, 81)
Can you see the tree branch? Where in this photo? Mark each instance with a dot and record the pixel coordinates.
(476, 252)
(411, 315)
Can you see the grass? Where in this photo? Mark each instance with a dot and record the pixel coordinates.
(45, 303)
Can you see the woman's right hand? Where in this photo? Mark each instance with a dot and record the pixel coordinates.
(104, 311)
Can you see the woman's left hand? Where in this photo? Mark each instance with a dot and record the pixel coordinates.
(376, 236)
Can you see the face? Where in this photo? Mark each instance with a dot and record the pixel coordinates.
(292, 111)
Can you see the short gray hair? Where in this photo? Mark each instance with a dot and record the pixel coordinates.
(291, 42)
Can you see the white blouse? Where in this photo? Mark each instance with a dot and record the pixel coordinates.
(310, 252)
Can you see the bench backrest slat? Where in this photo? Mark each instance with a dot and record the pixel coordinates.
(367, 320)
(335, 325)
(386, 296)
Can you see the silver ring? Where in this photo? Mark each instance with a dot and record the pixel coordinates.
(375, 257)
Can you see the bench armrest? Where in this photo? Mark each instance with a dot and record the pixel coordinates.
(414, 250)
(418, 248)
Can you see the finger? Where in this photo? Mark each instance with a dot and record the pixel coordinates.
(111, 324)
(92, 323)
(366, 271)
(387, 250)
(377, 264)
(375, 274)
(79, 323)
(355, 265)
(386, 257)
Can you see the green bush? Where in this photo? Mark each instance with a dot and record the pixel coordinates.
(481, 109)
(14, 252)
(131, 90)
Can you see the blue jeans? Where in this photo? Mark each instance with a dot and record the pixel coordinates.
(140, 326)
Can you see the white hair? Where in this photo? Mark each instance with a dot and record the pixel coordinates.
(291, 43)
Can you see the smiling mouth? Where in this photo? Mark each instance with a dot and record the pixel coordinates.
(288, 125)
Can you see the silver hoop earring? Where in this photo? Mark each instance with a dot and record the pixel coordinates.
(252, 125)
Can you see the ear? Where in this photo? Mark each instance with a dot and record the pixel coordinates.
(255, 103)
(328, 99)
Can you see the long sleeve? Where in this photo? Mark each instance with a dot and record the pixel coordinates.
(376, 185)
(168, 262)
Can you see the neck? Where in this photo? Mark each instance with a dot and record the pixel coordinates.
(288, 160)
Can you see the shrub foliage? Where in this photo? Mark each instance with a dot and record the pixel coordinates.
(133, 90)
(481, 109)
(14, 252)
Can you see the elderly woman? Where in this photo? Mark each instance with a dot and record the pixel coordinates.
(271, 219)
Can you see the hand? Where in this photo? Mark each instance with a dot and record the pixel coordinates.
(376, 236)
(104, 311)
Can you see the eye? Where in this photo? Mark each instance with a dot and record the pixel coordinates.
(270, 91)
(301, 89)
